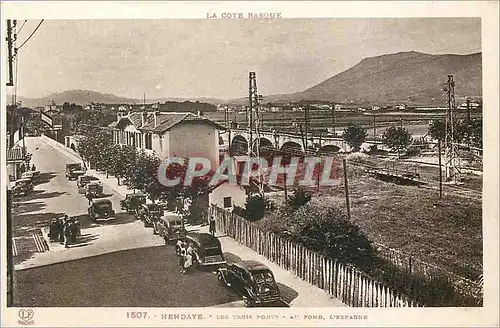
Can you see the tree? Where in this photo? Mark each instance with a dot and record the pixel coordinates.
(299, 198)
(354, 135)
(437, 130)
(476, 129)
(397, 138)
(255, 208)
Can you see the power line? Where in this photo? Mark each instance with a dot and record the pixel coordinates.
(29, 37)
(21, 28)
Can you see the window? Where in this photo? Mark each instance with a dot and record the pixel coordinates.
(149, 141)
(228, 202)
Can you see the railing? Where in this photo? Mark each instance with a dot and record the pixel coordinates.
(344, 282)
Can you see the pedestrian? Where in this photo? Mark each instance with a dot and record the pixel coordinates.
(61, 230)
(188, 263)
(54, 230)
(178, 248)
(78, 229)
(33, 168)
(72, 228)
(211, 227)
(89, 197)
(67, 235)
(182, 257)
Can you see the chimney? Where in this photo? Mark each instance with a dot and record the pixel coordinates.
(143, 118)
(155, 113)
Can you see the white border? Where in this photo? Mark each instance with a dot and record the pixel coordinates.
(405, 317)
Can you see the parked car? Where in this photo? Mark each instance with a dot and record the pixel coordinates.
(93, 189)
(150, 214)
(252, 280)
(170, 227)
(101, 209)
(74, 170)
(83, 180)
(133, 202)
(22, 187)
(33, 175)
(207, 247)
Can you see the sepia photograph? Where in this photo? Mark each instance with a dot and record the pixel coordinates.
(244, 160)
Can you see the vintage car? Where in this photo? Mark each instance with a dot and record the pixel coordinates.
(83, 180)
(207, 247)
(101, 209)
(171, 227)
(22, 187)
(33, 175)
(93, 189)
(252, 280)
(150, 214)
(133, 202)
(74, 170)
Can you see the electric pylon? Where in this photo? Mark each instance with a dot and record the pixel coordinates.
(254, 122)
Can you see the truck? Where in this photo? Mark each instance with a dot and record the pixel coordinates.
(74, 170)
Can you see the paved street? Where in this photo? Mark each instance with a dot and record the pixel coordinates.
(117, 263)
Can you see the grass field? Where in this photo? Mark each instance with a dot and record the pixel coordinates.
(445, 232)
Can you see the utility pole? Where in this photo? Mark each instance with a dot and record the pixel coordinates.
(374, 129)
(450, 164)
(346, 187)
(10, 58)
(306, 113)
(254, 99)
(440, 171)
(468, 123)
(333, 120)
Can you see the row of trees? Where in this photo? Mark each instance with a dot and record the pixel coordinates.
(138, 170)
(399, 139)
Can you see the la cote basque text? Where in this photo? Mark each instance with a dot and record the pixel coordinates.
(243, 15)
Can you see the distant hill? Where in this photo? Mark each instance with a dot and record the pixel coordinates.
(408, 77)
(81, 97)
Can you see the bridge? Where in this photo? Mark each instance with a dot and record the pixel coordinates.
(237, 141)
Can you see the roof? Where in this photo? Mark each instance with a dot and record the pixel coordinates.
(204, 238)
(251, 265)
(102, 201)
(172, 217)
(166, 121)
(14, 154)
(136, 194)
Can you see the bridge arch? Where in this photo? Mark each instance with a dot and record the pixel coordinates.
(266, 146)
(239, 145)
(329, 149)
(292, 147)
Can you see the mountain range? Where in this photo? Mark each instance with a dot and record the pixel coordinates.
(404, 77)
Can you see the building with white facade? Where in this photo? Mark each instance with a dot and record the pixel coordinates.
(169, 134)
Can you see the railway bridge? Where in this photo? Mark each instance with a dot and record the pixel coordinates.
(237, 141)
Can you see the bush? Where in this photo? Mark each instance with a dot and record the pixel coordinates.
(255, 208)
(328, 231)
(413, 151)
(299, 198)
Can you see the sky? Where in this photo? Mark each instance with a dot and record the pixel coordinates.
(212, 58)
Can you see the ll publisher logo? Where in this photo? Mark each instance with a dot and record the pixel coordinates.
(26, 316)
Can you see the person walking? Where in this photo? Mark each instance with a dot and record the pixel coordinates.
(178, 248)
(72, 228)
(60, 228)
(89, 198)
(182, 257)
(78, 229)
(33, 168)
(67, 234)
(188, 262)
(211, 226)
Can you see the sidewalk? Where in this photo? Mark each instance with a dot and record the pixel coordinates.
(308, 295)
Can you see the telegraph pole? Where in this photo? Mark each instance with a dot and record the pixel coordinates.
(374, 128)
(306, 113)
(450, 167)
(468, 123)
(10, 58)
(254, 99)
(346, 187)
(440, 171)
(333, 120)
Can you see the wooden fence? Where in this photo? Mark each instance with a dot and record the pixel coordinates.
(415, 266)
(344, 282)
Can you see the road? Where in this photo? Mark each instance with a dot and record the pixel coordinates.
(117, 263)
(142, 271)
